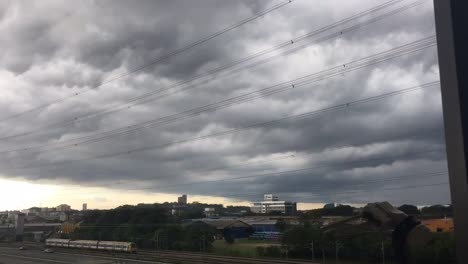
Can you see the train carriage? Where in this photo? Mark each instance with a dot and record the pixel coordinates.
(86, 244)
(55, 242)
(117, 246)
(92, 244)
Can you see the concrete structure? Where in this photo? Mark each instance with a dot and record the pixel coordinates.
(85, 207)
(19, 226)
(272, 204)
(63, 208)
(182, 199)
(452, 40)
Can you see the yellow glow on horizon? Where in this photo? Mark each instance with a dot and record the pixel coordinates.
(17, 195)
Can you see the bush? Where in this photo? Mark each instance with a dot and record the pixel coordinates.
(440, 251)
(270, 251)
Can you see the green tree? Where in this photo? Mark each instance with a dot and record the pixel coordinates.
(282, 225)
(440, 251)
(409, 209)
(298, 239)
(198, 238)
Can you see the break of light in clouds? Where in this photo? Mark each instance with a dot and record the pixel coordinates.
(53, 49)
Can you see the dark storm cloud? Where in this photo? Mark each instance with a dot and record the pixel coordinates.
(52, 49)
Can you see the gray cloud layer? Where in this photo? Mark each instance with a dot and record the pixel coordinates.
(52, 49)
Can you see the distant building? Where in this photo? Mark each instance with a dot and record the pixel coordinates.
(85, 207)
(182, 199)
(439, 225)
(225, 228)
(272, 204)
(270, 197)
(48, 209)
(210, 212)
(263, 225)
(331, 205)
(12, 214)
(63, 208)
(63, 217)
(19, 226)
(31, 211)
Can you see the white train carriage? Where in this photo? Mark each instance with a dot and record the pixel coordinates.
(92, 244)
(55, 242)
(86, 244)
(117, 246)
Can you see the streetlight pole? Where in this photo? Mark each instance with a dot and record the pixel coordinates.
(157, 240)
(383, 252)
(323, 255)
(312, 249)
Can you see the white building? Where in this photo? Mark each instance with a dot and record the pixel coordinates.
(210, 212)
(271, 204)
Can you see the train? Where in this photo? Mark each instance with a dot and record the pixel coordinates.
(129, 247)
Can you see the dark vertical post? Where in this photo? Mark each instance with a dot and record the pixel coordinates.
(452, 38)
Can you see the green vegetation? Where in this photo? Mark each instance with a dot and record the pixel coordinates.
(340, 210)
(440, 251)
(409, 209)
(153, 226)
(241, 247)
(148, 225)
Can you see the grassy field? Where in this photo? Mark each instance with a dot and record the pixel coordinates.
(242, 247)
(248, 248)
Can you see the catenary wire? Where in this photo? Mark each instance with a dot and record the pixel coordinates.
(146, 97)
(315, 77)
(232, 131)
(281, 173)
(141, 99)
(162, 58)
(291, 156)
(287, 173)
(320, 165)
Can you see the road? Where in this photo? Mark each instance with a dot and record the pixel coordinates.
(35, 256)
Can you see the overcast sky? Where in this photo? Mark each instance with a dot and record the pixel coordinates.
(379, 150)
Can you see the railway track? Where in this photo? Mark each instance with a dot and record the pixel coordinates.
(181, 257)
(172, 257)
(189, 257)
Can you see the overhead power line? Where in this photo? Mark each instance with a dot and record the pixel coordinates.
(268, 91)
(232, 131)
(145, 98)
(323, 193)
(289, 172)
(318, 189)
(155, 61)
(301, 170)
(286, 172)
(291, 156)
